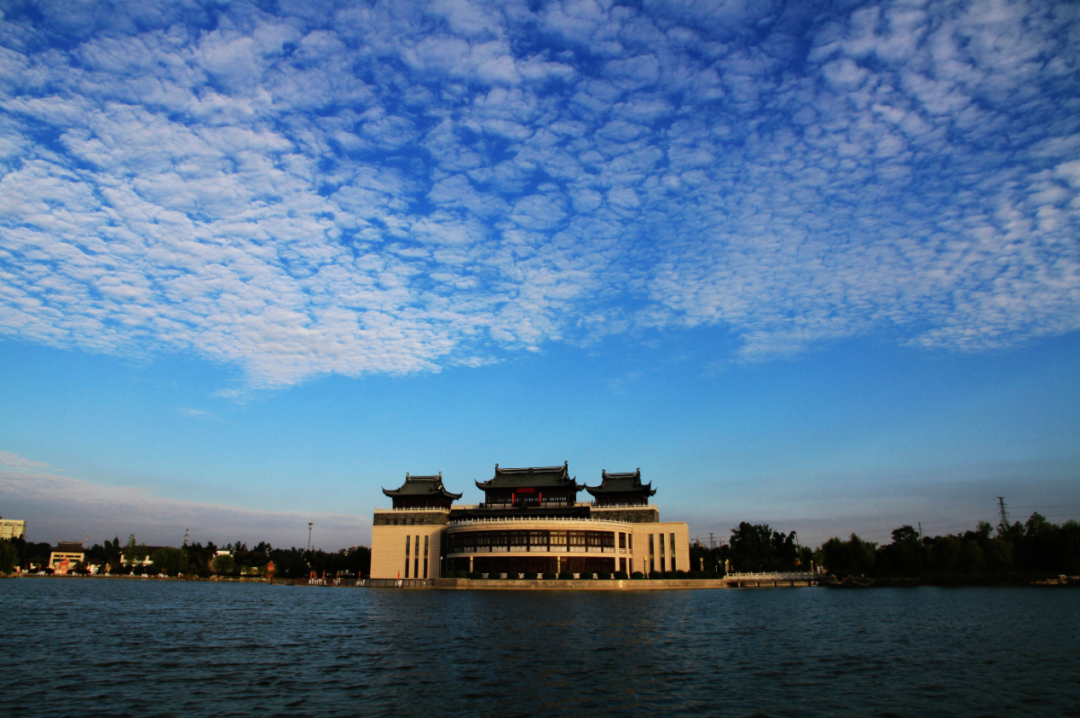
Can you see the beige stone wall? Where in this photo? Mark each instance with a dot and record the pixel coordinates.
(666, 529)
(388, 550)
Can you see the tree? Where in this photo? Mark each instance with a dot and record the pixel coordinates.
(9, 556)
(170, 561)
(224, 565)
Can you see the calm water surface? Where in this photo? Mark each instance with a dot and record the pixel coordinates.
(135, 648)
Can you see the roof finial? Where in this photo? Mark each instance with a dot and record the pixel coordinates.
(406, 474)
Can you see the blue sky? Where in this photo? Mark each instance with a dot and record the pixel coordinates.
(810, 264)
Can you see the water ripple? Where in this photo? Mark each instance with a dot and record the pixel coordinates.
(138, 648)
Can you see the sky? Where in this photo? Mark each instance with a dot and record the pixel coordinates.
(810, 264)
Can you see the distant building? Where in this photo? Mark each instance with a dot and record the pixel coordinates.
(11, 529)
(66, 556)
(530, 520)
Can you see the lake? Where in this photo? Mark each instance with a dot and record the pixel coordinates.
(134, 648)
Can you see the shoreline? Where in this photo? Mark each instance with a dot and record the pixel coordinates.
(458, 584)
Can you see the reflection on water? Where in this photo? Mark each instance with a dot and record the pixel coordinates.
(99, 647)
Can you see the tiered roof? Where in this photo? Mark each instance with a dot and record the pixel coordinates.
(626, 483)
(555, 477)
(422, 487)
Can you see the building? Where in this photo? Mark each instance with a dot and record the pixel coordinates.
(11, 529)
(530, 520)
(66, 556)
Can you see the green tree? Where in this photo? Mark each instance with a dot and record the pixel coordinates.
(170, 561)
(9, 556)
(224, 565)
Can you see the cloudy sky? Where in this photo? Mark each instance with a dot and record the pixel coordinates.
(815, 264)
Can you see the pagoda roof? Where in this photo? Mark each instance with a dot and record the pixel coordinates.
(627, 483)
(422, 486)
(534, 476)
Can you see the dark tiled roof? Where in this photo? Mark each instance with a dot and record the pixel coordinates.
(69, 547)
(628, 483)
(422, 486)
(536, 476)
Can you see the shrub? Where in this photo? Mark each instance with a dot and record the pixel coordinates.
(586, 574)
(621, 575)
(566, 575)
(694, 574)
(548, 576)
(476, 574)
(637, 575)
(495, 575)
(530, 575)
(604, 576)
(680, 574)
(669, 574)
(655, 574)
(711, 574)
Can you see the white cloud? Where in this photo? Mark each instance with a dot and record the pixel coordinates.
(394, 189)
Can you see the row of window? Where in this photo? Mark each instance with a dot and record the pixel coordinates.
(658, 540)
(416, 563)
(596, 539)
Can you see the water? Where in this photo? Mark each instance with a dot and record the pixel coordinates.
(137, 648)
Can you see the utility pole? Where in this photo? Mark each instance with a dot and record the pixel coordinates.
(186, 537)
(1004, 521)
(309, 523)
(920, 532)
(712, 541)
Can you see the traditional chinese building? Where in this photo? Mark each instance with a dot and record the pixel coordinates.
(530, 520)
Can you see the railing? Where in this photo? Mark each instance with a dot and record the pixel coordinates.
(773, 575)
(601, 507)
(532, 519)
(412, 510)
(538, 548)
(545, 504)
(398, 582)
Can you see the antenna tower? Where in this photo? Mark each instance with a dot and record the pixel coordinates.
(185, 537)
(1004, 521)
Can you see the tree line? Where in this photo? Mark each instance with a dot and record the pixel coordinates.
(752, 548)
(195, 559)
(1036, 546)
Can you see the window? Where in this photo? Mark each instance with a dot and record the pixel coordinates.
(661, 545)
(651, 552)
(622, 540)
(408, 540)
(607, 539)
(519, 538)
(426, 554)
(672, 552)
(630, 541)
(577, 538)
(622, 565)
(538, 538)
(557, 538)
(594, 538)
(483, 539)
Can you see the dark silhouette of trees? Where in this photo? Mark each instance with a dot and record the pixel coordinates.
(1034, 547)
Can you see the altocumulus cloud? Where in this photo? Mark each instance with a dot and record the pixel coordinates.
(394, 187)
